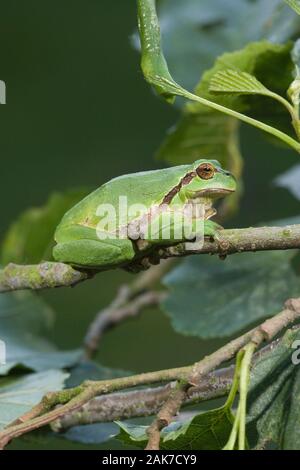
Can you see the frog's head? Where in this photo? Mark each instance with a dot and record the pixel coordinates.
(205, 182)
(208, 180)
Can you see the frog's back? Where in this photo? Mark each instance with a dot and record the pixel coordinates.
(146, 188)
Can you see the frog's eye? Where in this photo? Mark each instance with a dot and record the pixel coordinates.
(206, 171)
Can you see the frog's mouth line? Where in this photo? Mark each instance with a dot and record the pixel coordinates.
(212, 193)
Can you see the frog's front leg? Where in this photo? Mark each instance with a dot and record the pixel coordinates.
(163, 229)
(175, 229)
(211, 228)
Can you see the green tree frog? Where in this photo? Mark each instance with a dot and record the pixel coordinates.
(127, 220)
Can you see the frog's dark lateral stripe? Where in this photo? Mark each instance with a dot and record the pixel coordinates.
(183, 182)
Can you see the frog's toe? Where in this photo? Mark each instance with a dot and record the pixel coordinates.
(211, 228)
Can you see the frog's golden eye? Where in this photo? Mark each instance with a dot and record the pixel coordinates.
(205, 171)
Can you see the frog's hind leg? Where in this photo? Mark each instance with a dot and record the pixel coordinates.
(82, 247)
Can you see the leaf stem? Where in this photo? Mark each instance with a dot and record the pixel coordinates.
(244, 382)
(242, 117)
(236, 378)
(234, 388)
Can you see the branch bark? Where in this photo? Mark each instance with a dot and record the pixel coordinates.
(230, 241)
(40, 276)
(145, 402)
(166, 414)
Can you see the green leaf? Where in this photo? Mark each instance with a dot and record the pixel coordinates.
(21, 394)
(274, 394)
(208, 134)
(193, 135)
(234, 81)
(30, 239)
(153, 63)
(262, 60)
(206, 431)
(294, 4)
(294, 89)
(156, 72)
(213, 298)
(196, 32)
(24, 321)
(205, 132)
(133, 434)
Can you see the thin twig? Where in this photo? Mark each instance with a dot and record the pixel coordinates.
(169, 409)
(128, 303)
(115, 315)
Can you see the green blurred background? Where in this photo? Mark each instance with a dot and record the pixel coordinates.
(78, 113)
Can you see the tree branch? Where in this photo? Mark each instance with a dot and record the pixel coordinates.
(226, 242)
(73, 399)
(145, 402)
(148, 402)
(230, 241)
(40, 276)
(169, 409)
(114, 315)
(129, 302)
